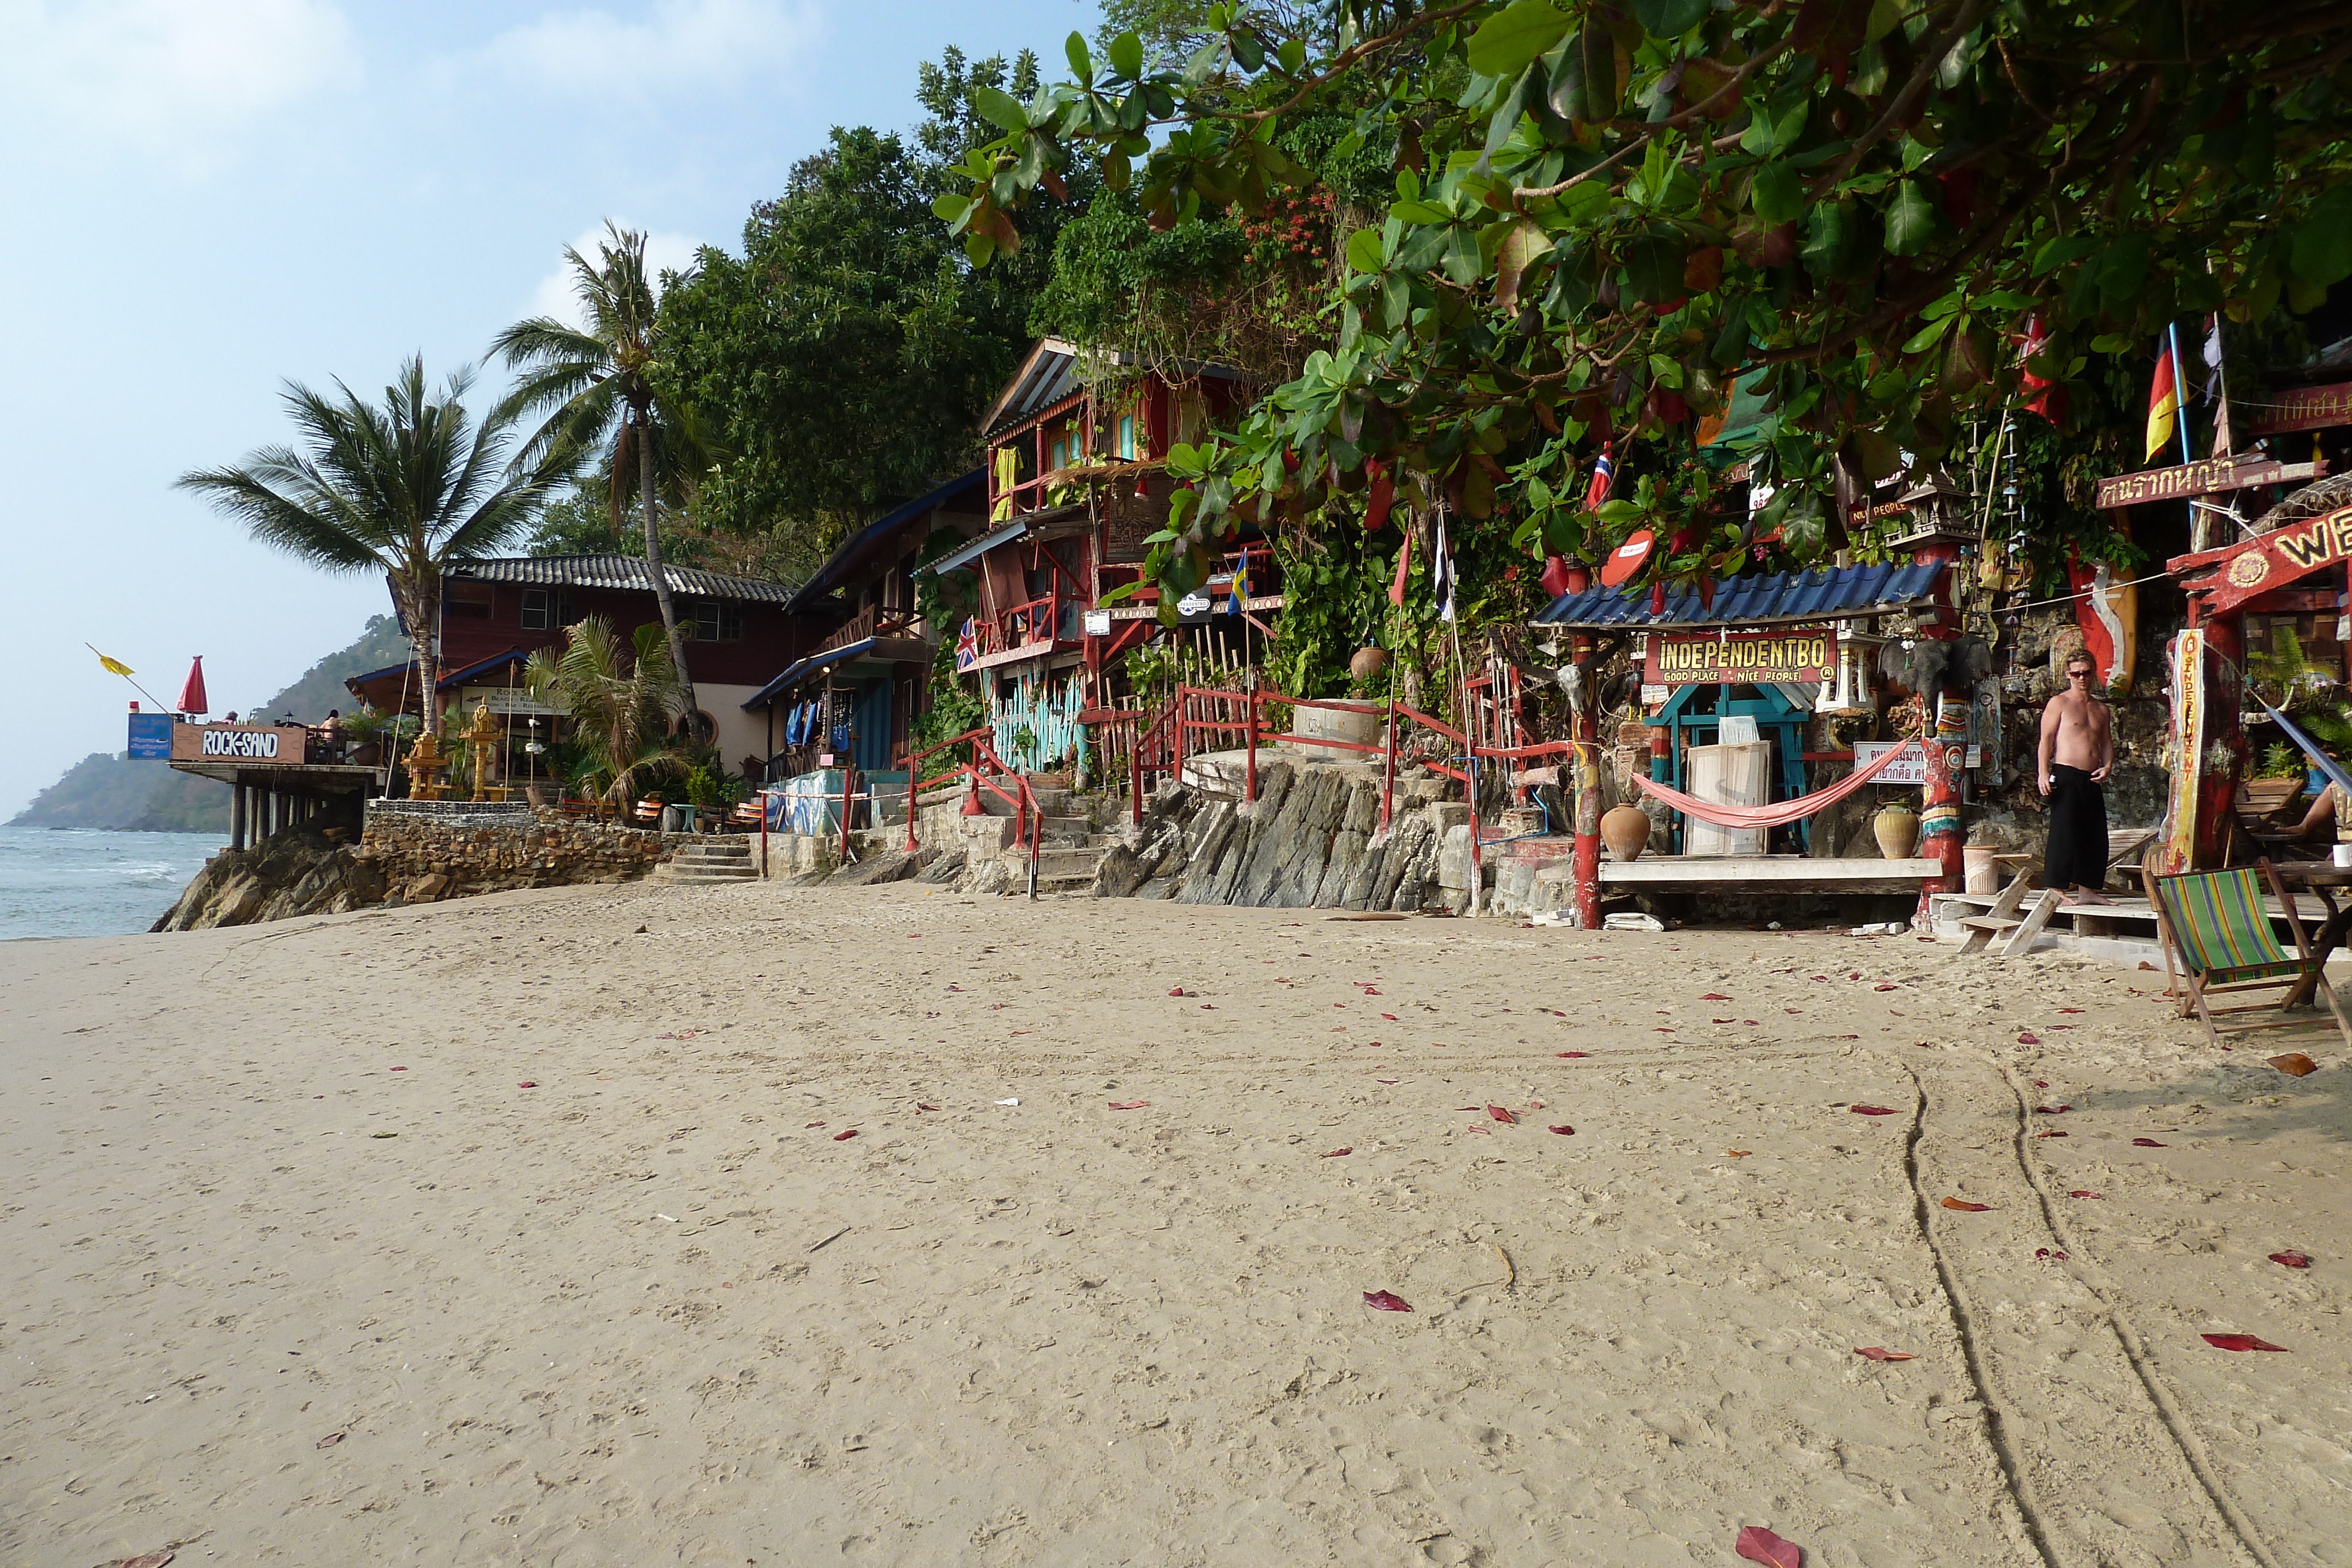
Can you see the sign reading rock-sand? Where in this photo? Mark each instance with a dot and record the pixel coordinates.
(281, 743)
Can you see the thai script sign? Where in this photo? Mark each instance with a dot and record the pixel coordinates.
(2305, 408)
(279, 743)
(1911, 770)
(1789, 657)
(2201, 478)
(2273, 560)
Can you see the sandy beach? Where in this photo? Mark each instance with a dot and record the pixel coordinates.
(637, 1225)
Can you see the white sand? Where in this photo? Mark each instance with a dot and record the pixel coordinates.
(1059, 1333)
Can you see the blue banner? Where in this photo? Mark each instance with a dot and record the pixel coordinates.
(151, 737)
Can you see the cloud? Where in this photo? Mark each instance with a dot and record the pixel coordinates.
(165, 77)
(670, 45)
(555, 294)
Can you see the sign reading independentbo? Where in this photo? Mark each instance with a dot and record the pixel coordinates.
(1769, 658)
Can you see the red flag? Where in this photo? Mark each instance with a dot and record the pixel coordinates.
(2049, 399)
(1555, 575)
(192, 695)
(1404, 560)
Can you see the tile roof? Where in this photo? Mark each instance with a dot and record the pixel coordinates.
(1824, 593)
(619, 572)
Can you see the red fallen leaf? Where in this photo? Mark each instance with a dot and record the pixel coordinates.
(1723, 1020)
(527, 1084)
(2052, 1133)
(1759, 1544)
(1388, 1080)
(1736, 1154)
(955, 987)
(1390, 1017)
(2291, 1259)
(1335, 1153)
(813, 1124)
(1570, 1055)
(1386, 1301)
(1370, 991)
(1175, 990)
(1873, 1353)
(400, 1070)
(2086, 1192)
(920, 1106)
(837, 1137)
(2051, 1110)
(1502, 1113)
(2148, 1143)
(1565, 1131)
(1845, 1037)
(1965, 1206)
(1714, 997)
(146, 1560)
(1748, 1020)
(2239, 1341)
(331, 1439)
(2042, 1083)
(2293, 1064)
(2027, 1037)
(2049, 1252)
(1883, 988)
(1871, 1110)
(1128, 1104)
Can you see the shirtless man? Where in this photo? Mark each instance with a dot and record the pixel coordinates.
(2078, 747)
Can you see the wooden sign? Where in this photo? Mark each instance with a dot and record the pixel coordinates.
(1762, 658)
(2305, 408)
(2201, 478)
(2231, 577)
(282, 744)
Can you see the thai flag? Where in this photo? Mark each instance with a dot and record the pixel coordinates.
(1604, 474)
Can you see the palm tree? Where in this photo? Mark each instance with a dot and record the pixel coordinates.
(404, 488)
(619, 702)
(597, 388)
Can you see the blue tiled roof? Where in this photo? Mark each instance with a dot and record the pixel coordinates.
(1825, 593)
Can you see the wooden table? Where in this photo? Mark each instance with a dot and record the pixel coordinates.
(2320, 877)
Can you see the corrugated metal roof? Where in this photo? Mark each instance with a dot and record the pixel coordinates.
(1824, 593)
(1048, 375)
(859, 545)
(619, 572)
(807, 666)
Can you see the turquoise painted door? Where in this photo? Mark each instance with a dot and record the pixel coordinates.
(872, 716)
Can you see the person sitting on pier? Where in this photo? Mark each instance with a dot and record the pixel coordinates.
(331, 737)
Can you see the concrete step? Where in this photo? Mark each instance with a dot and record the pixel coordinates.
(1058, 864)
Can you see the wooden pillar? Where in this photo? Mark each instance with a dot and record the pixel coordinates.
(236, 816)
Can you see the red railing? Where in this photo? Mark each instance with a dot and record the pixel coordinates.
(1029, 819)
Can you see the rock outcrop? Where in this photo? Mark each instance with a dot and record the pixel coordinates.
(309, 869)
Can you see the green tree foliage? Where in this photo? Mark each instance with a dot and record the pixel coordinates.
(619, 697)
(403, 488)
(1605, 215)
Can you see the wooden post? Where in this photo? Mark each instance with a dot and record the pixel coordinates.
(236, 816)
(1249, 702)
(1584, 730)
(1388, 767)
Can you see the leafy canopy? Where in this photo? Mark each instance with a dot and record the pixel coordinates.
(1607, 218)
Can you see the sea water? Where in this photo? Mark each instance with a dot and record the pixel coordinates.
(67, 882)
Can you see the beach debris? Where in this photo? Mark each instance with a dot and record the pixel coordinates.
(1388, 1080)
(527, 1084)
(1502, 1113)
(641, 931)
(1628, 920)
(384, 1135)
(1878, 1353)
(1884, 987)
(2290, 1260)
(1570, 1055)
(1564, 1129)
(1371, 990)
(1390, 1017)
(1965, 1206)
(1759, 1544)
(852, 1133)
(2051, 1110)
(400, 1070)
(1128, 1104)
(331, 1439)
(2042, 1083)
(2148, 1143)
(2070, 1009)
(2086, 1192)
(2051, 1132)
(1736, 1154)
(2027, 1037)
(145, 1559)
(1714, 997)
(2049, 1252)
(819, 1246)
(1386, 1301)
(2239, 1341)
(920, 1106)
(1871, 1110)
(1878, 928)
(1335, 1153)
(672, 1218)
(1015, 1101)
(1177, 991)
(2294, 1064)
(813, 1125)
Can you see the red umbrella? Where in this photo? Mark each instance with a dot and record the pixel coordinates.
(192, 695)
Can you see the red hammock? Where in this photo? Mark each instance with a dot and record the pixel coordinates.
(1781, 811)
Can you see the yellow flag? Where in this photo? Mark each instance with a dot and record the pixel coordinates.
(114, 666)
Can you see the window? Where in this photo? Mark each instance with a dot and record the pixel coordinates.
(467, 602)
(715, 621)
(1059, 457)
(1126, 437)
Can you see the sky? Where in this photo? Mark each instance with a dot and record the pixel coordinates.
(209, 198)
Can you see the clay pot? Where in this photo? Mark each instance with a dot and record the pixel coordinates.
(1367, 664)
(1626, 831)
(1897, 829)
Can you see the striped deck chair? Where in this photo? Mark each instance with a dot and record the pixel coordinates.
(2218, 941)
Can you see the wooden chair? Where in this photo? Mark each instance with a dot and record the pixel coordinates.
(2218, 941)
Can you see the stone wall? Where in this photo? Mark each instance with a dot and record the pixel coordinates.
(462, 849)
